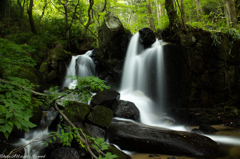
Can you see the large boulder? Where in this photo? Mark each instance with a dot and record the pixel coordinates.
(145, 139)
(105, 98)
(76, 111)
(101, 116)
(126, 109)
(146, 37)
(116, 151)
(109, 32)
(113, 43)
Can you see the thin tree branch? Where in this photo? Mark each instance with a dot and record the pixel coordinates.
(181, 15)
(74, 15)
(84, 141)
(57, 8)
(44, 7)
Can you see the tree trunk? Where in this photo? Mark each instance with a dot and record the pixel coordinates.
(151, 20)
(230, 13)
(199, 9)
(44, 7)
(183, 11)
(31, 18)
(66, 21)
(21, 7)
(171, 12)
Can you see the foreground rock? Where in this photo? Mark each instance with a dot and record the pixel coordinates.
(136, 137)
(125, 109)
(105, 98)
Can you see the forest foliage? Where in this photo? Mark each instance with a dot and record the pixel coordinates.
(29, 28)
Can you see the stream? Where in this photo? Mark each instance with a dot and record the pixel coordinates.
(135, 88)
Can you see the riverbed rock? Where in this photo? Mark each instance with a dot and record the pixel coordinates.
(95, 131)
(207, 129)
(65, 153)
(116, 151)
(146, 37)
(105, 98)
(100, 116)
(135, 137)
(125, 109)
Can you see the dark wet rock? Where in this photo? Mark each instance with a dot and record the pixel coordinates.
(116, 151)
(36, 111)
(171, 157)
(153, 155)
(110, 34)
(51, 76)
(95, 131)
(44, 68)
(197, 131)
(105, 98)
(195, 116)
(113, 43)
(100, 116)
(65, 153)
(76, 111)
(125, 109)
(141, 138)
(47, 118)
(147, 37)
(207, 129)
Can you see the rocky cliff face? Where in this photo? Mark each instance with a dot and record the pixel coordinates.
(208, 65)
(113, 43)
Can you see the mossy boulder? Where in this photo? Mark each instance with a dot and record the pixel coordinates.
(58, 53)
(44, 68)
(76, 111)
(52, 75)
(101, 116)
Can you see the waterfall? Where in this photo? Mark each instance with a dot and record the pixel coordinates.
(143, 78)
(34, 139)
(81, 66)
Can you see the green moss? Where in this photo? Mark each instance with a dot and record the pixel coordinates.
(76, 111)
(101, 116)
(44, 68)
(58, 53)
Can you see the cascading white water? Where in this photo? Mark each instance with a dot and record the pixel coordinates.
(138, 77)
(136, 84)
(81, 66)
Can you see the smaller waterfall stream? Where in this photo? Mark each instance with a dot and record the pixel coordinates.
(81, 66)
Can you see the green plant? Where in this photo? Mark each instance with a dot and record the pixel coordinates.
(216, 39)
(16, 105)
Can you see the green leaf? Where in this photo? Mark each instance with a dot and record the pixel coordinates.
(17, 124)
(8, 95)
(10, 123)
(8, 115)
(26, 123)
(6, 134)
(2, 121)
(8, 127)
(3, 129)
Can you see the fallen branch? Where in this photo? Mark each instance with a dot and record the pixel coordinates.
(83, 140)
